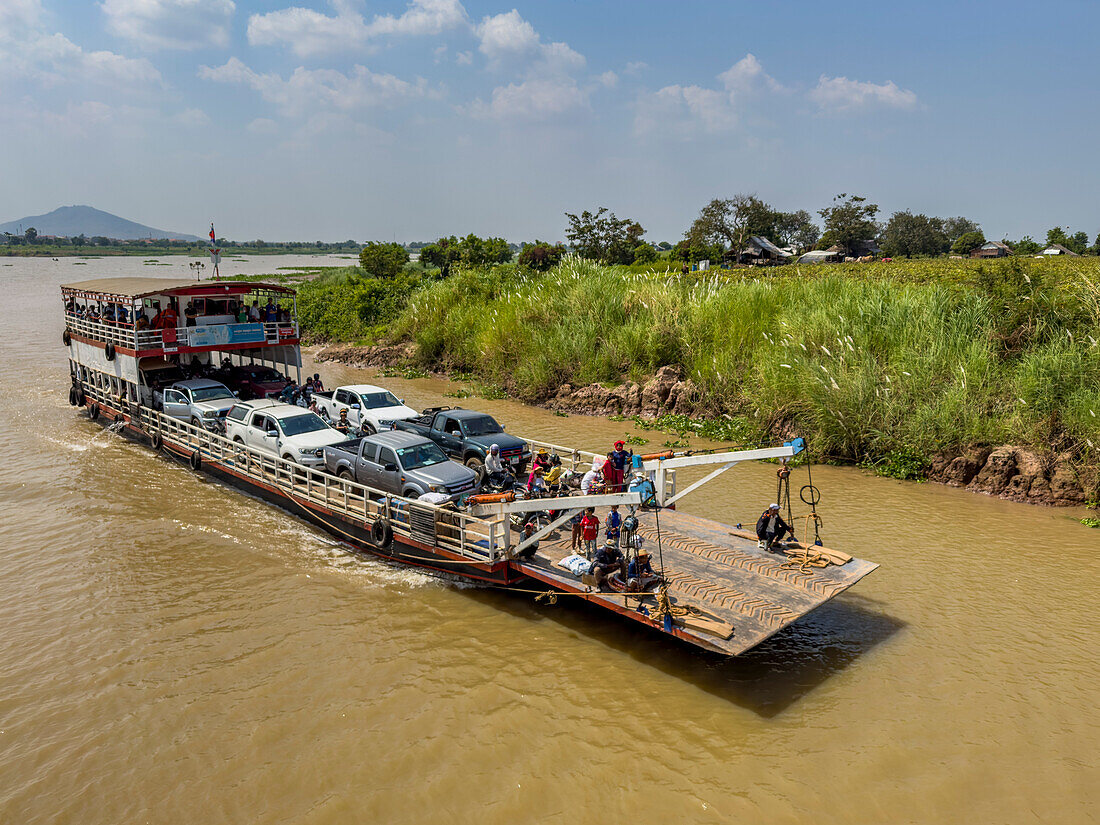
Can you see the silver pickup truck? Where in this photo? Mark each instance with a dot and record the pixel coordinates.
(404, 464)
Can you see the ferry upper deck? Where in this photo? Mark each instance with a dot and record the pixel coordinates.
(158, 316)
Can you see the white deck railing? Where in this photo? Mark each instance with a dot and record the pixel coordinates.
(473, 538)
(124, 335)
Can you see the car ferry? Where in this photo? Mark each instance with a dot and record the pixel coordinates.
(129, 337)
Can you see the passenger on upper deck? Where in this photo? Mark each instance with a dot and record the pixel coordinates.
(770, 528)
(242, 313)
(142, 321)
(254, 313)
(190, 314)
(271, 312)
(122, 315)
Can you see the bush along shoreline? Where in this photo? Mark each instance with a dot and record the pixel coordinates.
(983, 375)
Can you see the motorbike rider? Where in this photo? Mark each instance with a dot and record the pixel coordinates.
(494, 470)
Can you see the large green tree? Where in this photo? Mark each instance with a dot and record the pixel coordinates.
(541, 255)
(730, 222)
(849, 220)
(384, 260)
(908, 234)
(968, 242)
(955, 228)
(600, 236)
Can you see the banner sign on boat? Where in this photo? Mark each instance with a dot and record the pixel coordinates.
(215, 334)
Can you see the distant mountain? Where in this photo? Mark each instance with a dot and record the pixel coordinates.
(74, 220)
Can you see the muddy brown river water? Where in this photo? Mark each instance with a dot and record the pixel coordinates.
(174, 651)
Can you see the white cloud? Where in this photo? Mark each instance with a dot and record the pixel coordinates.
(635, 67)
(29, 52)
(547, 88)
(608, 79)
(263, 126)
(537, 99)
(192, 118)
(711, 109)
(464, 58)
(840, 93)
(308, 32)
(505, 35)
(309, 90)
(171, 24)
(422, 17)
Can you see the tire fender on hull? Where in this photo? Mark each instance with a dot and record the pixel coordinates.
(381, 534)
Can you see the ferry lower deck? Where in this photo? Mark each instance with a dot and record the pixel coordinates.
(724, 594)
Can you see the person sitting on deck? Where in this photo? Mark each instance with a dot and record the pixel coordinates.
(639, 566)
(342, 424)
(608, 560)
(530, 550)
(555, 471)
(142, 321)
(770, 528)
(121, 315)
(590, 529)
(536, 482)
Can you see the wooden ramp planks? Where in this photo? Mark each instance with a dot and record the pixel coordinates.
(727, 576)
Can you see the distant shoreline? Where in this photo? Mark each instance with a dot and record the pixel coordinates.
(45, 251)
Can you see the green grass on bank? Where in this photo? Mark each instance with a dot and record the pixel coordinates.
(868, 361)
(883, 364)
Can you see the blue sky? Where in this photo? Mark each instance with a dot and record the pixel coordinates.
(378, 120)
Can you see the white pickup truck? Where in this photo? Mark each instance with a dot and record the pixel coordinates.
(370, 408)
(284, 430)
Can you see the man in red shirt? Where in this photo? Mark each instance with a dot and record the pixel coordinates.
(590, 531)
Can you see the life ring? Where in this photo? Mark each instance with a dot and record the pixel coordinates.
(810, 495)
(155, 439)
(66, 337)
(109, 351)
(195, 460)
(93, 411)
(381, 534)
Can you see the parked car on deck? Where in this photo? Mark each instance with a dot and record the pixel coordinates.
(400, 463)
(201, 401)
(281, 429)
(370, 408)
(252, 380)
(466, 435)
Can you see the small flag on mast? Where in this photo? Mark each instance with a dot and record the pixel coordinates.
(212, 236)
